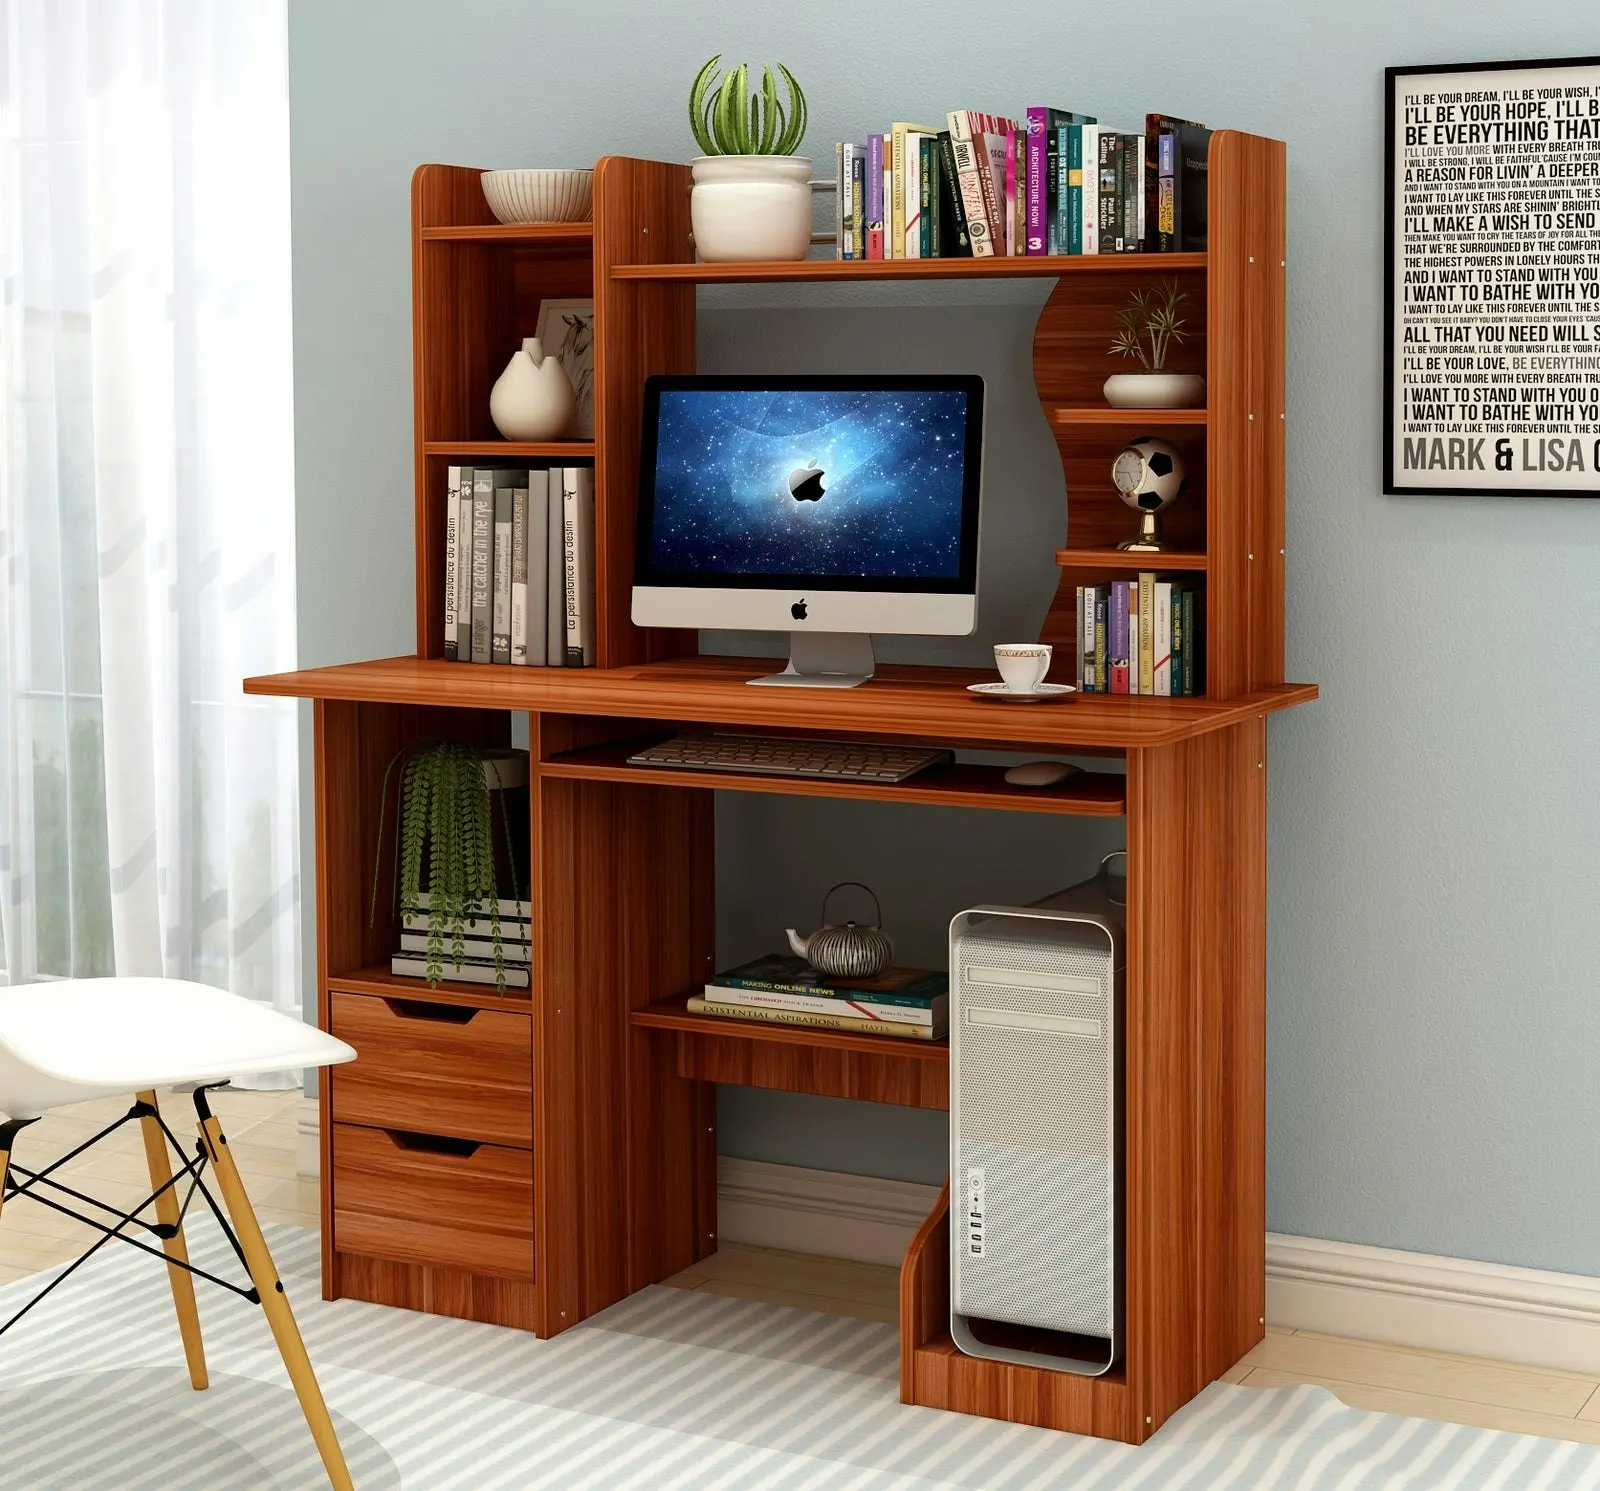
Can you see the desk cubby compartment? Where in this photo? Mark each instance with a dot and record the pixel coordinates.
(357, 742)
(451, 1069)
(431, 1199)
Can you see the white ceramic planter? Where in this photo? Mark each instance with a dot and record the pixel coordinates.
(751, 207)
(1155, 390)
(533, 398)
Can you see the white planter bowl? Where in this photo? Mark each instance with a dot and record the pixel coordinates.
(751, 207)
(1155, 390)
(540, 196)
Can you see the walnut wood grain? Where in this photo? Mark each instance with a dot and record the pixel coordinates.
(437, 1290)
(564, 234)
(1006, 268)
(922, 703)
(415, 1205)
(470, 1078)
(1121, 560)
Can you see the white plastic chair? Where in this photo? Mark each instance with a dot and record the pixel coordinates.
(90, 1038)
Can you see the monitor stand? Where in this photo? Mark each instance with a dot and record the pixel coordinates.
(825, 660)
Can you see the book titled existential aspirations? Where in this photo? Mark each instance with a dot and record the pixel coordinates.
(519, 566)
(1051, 182)
(783, 989)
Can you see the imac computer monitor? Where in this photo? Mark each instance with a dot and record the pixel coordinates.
(826, 507)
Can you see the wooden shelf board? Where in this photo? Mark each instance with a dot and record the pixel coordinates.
(377, 979)
(672, 1014)
(1046, 266)
(495, 450)
(1072, 415)
(919, 703)
(1094, 794)
(1124, 559)
(573, 233)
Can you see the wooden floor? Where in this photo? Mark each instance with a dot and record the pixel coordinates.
(261, 1131)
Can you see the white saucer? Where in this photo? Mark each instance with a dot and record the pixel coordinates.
(1008, 695)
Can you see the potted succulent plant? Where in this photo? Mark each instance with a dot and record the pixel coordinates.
(752, 193)
(450, 802)
(1148, 328)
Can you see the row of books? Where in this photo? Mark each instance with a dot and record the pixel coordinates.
(912, 1003)
(519, 566)
(476, 965)
(1055, 182)
(1144, 636)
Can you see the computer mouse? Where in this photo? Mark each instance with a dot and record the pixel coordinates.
(1041, 773)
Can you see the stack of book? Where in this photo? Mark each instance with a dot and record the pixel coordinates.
(519, 566)
(1144, 636)
(477, 964)
(1054, 182)
(783, 990)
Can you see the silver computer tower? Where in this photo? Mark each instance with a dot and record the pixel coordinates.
(1036, 1129)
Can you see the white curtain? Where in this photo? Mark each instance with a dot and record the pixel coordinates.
(148, 813)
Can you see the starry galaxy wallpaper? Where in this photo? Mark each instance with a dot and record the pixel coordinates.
(846, 483)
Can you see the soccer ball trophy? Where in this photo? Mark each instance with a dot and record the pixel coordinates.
(1148, 474)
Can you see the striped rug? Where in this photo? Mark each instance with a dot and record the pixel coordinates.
(668, 1389)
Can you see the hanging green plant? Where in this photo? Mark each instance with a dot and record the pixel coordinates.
(445, 819)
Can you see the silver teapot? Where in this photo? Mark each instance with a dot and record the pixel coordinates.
(850, 951)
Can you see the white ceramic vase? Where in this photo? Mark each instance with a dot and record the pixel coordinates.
(751, 207)
(1155, 390)
(533, 398)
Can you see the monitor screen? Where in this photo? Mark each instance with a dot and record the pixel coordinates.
(835, 483)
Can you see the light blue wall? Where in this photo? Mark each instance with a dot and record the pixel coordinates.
(1434, 1020)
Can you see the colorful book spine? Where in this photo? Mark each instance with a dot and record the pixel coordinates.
(858, 195)
(1040, 142)
(519, 574)
(1055, 236)
(452, 559)
(1177, 643)
(1131, 588)
(1101, 607)
(1119, 638)
(1070, 188)
(701, 1006)
(1077, 671)
(874, 190)
(1162, 664)
(993, 181)
(839, 193)
(903, 206)
(933, 1012)
(954, 240)
(1089, 192)
(927, 148)
(1147, 633)
(1166, 217)
(1091, 684)
(972, 170)
(1008, 188)
(1106, 191)
(1133, 193)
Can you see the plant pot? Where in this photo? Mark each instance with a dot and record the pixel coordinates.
(1155, 390)
(748, 208)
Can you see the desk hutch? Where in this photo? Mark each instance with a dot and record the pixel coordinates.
(532, 1157)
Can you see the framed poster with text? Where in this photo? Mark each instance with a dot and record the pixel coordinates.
(1492, 279)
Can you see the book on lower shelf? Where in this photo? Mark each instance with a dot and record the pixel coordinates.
(467, 971)
(1141, 636)
(519, 584)
(1053, 182)
(786, 989)
(697, 1005)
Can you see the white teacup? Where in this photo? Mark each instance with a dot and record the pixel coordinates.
(1023, 665)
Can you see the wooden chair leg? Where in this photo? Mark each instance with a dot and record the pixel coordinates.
(9, 1129)
(159, 1164)
(264, 1275)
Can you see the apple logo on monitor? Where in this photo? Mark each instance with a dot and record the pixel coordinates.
(805, 482)
(798, 610)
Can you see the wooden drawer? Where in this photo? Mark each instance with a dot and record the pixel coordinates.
(434, 1069)
(432, 1199)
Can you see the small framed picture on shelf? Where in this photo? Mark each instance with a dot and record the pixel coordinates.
(566, 329)
(1492, 279)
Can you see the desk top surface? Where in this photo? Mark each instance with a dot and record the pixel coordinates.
(922, 703)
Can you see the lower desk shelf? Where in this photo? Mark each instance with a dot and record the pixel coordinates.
(798, 1058)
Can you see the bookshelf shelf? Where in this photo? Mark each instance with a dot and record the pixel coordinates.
(575, 234)
(497, 451)
(671, 1014)
(1122, 559)
(1042, 266)
(1152, 418)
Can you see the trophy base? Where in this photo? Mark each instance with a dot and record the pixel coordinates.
(1147, 546)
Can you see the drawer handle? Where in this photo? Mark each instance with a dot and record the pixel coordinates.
(422, 1009)
(434, 1143)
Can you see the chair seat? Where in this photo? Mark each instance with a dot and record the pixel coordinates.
(84, 1038)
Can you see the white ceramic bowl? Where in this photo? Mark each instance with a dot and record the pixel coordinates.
(540, 196)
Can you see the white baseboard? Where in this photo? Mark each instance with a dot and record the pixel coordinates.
(307, 1148)
(819, 1211)
(1438, 1304)
(1341, 1289)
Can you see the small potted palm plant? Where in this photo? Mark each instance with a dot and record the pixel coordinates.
(450, 812)
(1149, 326)
(752, 193)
